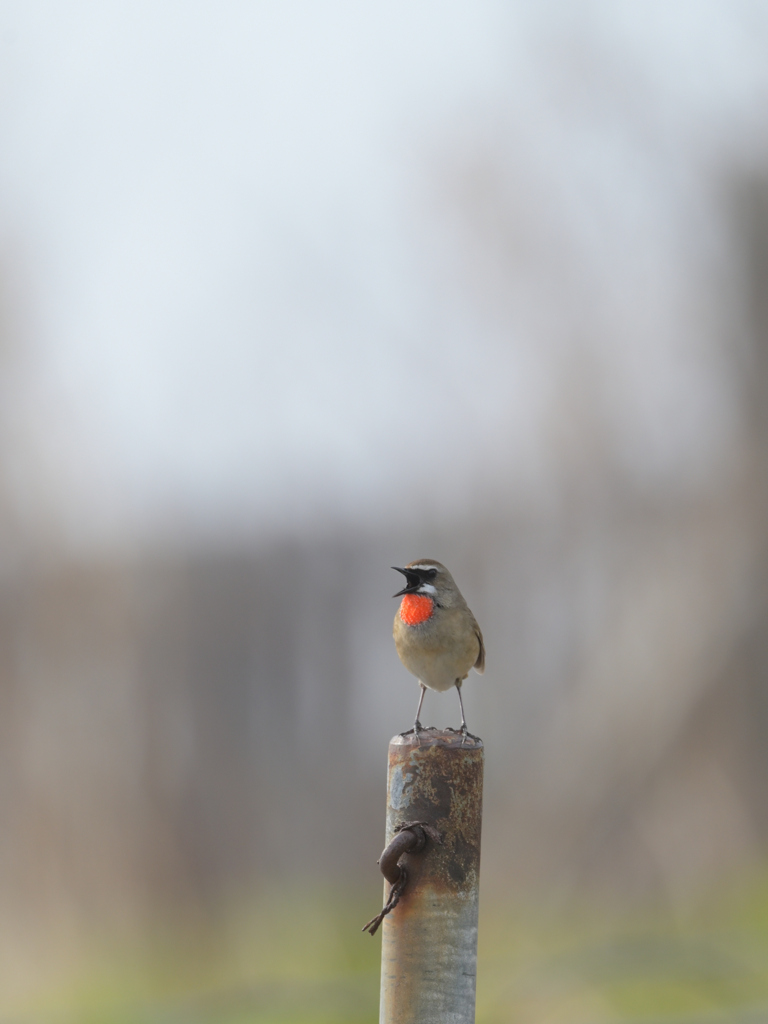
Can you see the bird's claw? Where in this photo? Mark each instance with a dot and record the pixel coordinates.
(417, 728)
(464, 733)
(467, 735)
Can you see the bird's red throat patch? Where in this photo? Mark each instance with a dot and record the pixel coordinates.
(416, 608)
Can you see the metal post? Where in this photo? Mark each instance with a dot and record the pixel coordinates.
(429, 946)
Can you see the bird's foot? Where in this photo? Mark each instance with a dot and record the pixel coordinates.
(467, 735)
(464, 733)
(417, 728)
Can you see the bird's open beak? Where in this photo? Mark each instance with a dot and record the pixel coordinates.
(413, 584)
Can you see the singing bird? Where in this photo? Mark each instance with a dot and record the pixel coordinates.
(436, 635)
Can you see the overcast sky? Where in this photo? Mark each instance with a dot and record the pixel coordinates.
(275, 262)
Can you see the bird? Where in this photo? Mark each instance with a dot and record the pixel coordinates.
(436, 635)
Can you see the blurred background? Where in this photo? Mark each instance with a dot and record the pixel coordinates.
(292, 292)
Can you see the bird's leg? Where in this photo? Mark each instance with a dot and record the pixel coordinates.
(461, 705)
(417, 726)
(465, 733)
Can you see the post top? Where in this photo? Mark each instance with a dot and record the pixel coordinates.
(437, 738)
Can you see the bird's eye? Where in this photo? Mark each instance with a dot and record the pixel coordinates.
(432, 573)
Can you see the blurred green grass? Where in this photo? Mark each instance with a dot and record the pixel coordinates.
(290, 957)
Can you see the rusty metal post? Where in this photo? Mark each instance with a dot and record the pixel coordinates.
(429, 946)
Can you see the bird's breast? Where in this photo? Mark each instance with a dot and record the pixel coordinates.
(416, 608)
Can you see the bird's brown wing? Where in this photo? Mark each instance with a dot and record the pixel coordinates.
(480, 663)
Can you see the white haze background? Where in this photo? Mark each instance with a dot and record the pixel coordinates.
(244, 245)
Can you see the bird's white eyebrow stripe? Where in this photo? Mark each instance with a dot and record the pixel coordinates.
(419, 567)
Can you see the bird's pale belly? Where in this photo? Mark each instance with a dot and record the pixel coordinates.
(438, 671)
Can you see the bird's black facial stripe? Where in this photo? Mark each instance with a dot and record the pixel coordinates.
(417, 576)
(426, 572)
